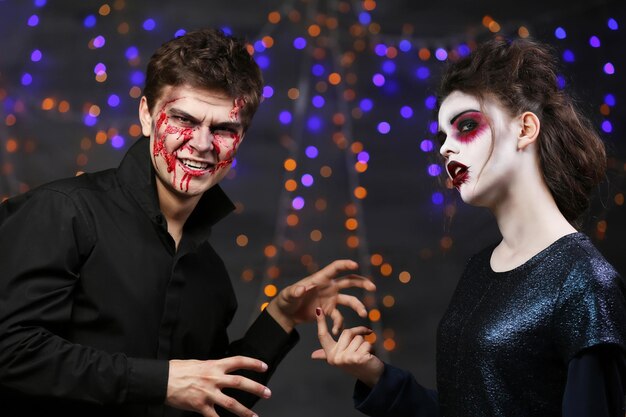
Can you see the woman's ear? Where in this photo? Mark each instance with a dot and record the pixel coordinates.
(529, 130)
(144, 117)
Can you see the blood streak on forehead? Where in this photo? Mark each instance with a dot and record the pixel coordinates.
(238, 104)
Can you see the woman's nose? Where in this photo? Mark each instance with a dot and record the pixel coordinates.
(446, 148)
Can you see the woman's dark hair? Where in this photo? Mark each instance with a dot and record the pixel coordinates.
(522, 75)
(207, 59)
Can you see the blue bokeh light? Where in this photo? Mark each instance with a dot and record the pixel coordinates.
(113, 100)
(117, 141)
(383, 127)
(131, 53)
(90, 21)
(430, 102)
(366, 104)
(437, 198)
(268, 91)
(149, 24)
(299, 43)
(263, 61)
(27, 79)
(378, 80)
(568, 56)
(36, 55)
(422, 73)
(297, 203)
(560, 33)
(311, 152)
(434, 170)
(609, 99)
(406, 112)
(284, 117)
(314, 123)
(318, 101)
(33, 20)
(389, 67)
(427, 145)
(318, 70)
(307, 180)
(404, 45)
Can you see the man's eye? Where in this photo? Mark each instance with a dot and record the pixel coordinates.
(182, 119)
(225, 133)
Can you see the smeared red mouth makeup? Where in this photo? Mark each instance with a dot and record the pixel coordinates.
(458, 172)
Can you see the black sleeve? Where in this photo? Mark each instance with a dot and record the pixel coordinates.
(265, 340)
(397, 394)
(596, 379)
(44, 238)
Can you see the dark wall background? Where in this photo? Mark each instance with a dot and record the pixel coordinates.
(409, 232)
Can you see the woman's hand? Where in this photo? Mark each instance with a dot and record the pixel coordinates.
(351, 352)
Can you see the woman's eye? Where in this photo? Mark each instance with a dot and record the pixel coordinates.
(467, 125)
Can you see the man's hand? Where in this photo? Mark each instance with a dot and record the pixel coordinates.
(197, 385)
(296, 303)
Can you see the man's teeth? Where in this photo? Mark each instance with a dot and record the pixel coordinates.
(457, 170)
(195, 164)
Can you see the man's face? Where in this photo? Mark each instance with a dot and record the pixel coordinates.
(194, 136)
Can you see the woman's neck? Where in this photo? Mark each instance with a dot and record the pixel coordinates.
(529, 221)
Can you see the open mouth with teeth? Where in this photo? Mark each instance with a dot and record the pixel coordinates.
(458, 172)
(195, 167)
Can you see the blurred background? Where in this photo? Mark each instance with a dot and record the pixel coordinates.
(339, 161)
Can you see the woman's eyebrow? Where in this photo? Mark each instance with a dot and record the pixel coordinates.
(462, 113)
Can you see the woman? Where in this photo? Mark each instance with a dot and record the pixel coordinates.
(537, 323)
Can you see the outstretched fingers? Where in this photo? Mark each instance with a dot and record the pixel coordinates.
(353, 280)
(336, 267)
(353, 302)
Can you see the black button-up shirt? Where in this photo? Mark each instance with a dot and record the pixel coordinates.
(95, 299)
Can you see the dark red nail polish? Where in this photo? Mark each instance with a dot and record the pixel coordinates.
(318, 311)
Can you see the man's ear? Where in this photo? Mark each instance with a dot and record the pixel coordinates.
(144, 117)
(529, 131)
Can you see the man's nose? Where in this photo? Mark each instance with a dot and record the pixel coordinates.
(202, 140)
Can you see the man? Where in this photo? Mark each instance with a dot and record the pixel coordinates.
(112, 300)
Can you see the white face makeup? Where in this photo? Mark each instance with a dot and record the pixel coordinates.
(194, 136)
(478, 163)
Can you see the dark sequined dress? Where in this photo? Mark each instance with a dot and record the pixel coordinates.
(505, 342)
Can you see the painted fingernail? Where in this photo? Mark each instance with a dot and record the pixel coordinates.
(318, 311)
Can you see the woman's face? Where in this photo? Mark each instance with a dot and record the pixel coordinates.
(479, 146)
